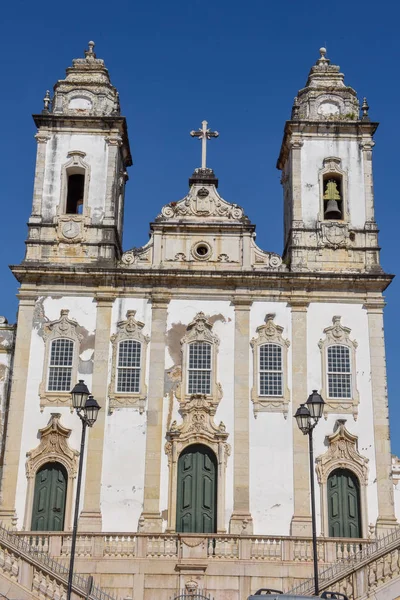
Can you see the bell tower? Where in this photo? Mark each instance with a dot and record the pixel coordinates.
(326, 164)
(81, 169)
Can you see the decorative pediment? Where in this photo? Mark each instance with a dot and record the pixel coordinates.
(62, 327)
(342, 453)
(269, 333)
(200, 329)
(130, 328)
(337, 334)
(53, 447)
(202, 202)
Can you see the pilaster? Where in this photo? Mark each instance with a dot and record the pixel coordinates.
(113, 145)
(90, 518)
(150, 519)
(12, 454)
(366, 148)
(42, 139)
(296, 146)
(241, 519)
(386, 516)
(301, 520)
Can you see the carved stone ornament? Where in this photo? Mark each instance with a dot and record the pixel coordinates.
(64, 327)
(53, 447)
(334, 235)
(260, 257)
(342, 453)
(202, 202)
(129, 329)
(338, 334)
(198, 427)
(137, 256)
(200, 330)
(269, 333)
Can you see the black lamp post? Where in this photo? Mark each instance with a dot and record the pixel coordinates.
(307, 416)
(87, 409)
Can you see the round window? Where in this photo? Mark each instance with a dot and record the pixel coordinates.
(201, 251)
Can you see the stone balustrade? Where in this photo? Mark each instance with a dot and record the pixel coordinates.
(181, 546)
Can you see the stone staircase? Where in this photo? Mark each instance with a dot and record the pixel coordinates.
(26, 572)
(371, 574)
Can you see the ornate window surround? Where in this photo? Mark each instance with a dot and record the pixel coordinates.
(53, 447)
(200, 330)
(342, 453)
(75, 165)
(338, 335)
(198, 427)
(332, 166)
(270, 333)
(129, 329)
(61, 328)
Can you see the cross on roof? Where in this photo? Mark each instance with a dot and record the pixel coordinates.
(204, 134)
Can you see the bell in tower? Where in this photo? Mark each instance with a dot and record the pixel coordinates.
(332, 201)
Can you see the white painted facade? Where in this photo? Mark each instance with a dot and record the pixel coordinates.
(202, 258)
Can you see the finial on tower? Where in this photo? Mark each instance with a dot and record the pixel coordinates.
(90, 54)
(322, 59)
(365, 109)
(46, 102)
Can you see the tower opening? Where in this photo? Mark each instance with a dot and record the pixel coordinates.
(75, 193)
(333, 198)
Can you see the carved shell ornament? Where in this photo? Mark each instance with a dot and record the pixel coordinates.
(202, 202)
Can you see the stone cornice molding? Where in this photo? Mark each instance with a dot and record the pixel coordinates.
(374, 306)
(298, 304)
(42, 138)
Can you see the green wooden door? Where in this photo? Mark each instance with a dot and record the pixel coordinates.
(344, 504)
(49, 498)
(197, 490)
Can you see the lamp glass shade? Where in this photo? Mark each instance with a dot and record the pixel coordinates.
(80, 394)
(302, 417)
(315, 405)
(91, 411)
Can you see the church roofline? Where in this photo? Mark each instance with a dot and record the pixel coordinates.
(55, 122)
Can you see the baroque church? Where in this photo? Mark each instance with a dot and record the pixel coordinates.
(199, 347)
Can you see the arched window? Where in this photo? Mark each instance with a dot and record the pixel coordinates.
(199, 368)
(270, 349)
(333, 197)
(129, 363)
(127, 385)
(197, 490)
(270, 370)
(344, 510)
(60, 365)
(49, 498)
(75, 192)
(75, 184)
(339, 371)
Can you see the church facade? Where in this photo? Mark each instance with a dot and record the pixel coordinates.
(199, 346)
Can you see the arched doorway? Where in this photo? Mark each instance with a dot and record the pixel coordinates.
(344, 511)
(49, 498)
(197, 490)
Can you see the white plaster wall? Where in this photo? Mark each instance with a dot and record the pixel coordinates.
(319, 316)
(122, 486)
(184, 311)
(83, 310)
(313, 153)
(396, 490)
(57, 148)
(271, 443)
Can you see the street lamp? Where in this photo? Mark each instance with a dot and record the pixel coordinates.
(87, 410)
(307, 416)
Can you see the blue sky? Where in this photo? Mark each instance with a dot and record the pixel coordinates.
(236, 64)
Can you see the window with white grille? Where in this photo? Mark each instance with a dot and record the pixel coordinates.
(129, 364)
(199, 368)
(339, 372)
(60, 365)
(270, 370)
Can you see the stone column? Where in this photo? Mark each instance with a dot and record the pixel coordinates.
(150, 519)
(90, 518)
(301, 520)
(42, 139)
(241, 518)
(12, 456)
(383, 458)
